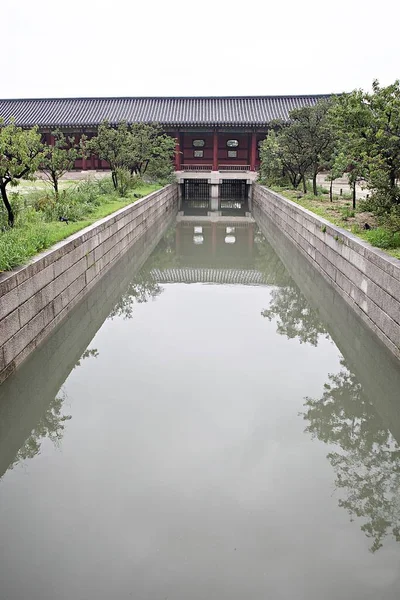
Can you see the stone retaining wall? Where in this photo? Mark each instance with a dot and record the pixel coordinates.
(365, 277)
(34, 299)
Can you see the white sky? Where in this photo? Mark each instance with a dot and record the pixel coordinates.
(209, 47)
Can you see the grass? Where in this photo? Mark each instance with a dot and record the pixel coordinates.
(34, 233)
(340, 213)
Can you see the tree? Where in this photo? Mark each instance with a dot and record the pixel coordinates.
(337, 166)
(59, 158)
(111, 144)
(282, 158)
(150, 148)
(368, 128)
(303, 146)
(133, 149)
(311, 129)
(21, 153)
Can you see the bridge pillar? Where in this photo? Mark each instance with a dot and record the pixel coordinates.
(214, 194)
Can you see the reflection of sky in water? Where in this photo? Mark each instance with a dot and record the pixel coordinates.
(185, 471)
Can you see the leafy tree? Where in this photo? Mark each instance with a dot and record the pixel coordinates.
(303, 146)
(21, 153)
(282, 157)
(111, 145)
(368, 463)
(337, 166)
(150, 148)
(311, 129)
(295, 317)
(368, 128)
(133, 149)
(59, 159)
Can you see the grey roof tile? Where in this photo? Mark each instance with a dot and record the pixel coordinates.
(172, 112)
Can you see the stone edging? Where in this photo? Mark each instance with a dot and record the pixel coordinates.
(35, 298)
(367, 278)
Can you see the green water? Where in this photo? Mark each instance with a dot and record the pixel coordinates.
(210, 423)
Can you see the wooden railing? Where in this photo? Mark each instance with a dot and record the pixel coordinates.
(234, 168)
(220, 167)
(196, 167)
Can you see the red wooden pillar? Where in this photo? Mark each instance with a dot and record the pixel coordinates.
(253, 151)
(215, 150)
(52, 140)
(178, 152)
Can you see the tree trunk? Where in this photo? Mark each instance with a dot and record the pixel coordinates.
(55, 185)
(114, 179)
(331, 190)
(304, 184)
(7, 205)
(314, 184)
(354, 195)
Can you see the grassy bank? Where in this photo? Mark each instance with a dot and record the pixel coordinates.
(340, 213)
(38, 224)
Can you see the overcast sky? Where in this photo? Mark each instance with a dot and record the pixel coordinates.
(210, 47)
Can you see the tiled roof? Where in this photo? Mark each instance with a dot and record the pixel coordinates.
(176, 112)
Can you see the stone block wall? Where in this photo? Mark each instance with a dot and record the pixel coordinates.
(35, 298)
(368, 279)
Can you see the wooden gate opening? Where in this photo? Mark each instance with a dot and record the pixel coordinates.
(196, 189)
(233, 189)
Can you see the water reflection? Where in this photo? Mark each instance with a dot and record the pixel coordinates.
(358, 414)
(186, 443)
(32, 399)
(51, 426)
(295, 317)
(367, 461)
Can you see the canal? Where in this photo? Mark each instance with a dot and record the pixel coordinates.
(211, 422)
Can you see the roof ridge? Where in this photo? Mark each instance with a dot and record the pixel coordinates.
(230, 97)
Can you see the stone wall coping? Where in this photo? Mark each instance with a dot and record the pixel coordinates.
(13, 278)
(381, 259)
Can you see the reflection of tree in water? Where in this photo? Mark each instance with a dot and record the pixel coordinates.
(268, 262)
(140, 290)
(143, 287)
(52, 423)
(368, 464)
(295, 317)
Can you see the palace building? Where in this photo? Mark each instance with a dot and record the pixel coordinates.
(213, 134)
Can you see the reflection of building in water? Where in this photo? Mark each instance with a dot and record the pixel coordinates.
(229, 242)
(220, 250)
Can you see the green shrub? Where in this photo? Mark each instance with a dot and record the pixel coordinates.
(322, 190)
(18, 204)
(347, 213)
(105, 186)
(383, 238)
(17, 244)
